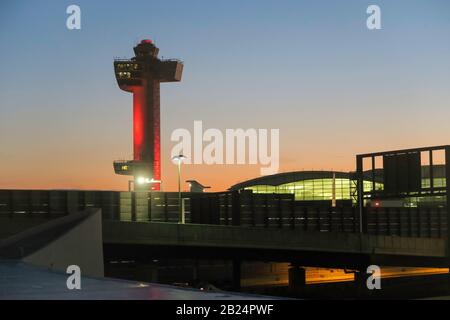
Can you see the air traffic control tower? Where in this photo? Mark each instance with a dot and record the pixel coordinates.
(142, 75)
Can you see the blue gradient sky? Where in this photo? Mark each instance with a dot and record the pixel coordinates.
(310, 68)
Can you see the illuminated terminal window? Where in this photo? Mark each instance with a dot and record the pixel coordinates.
(437, 183)
(316, 189)
(322, 190)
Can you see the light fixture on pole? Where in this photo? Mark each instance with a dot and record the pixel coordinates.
(179, 158)
(142, 181)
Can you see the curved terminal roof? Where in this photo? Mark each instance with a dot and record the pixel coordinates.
(287, 177)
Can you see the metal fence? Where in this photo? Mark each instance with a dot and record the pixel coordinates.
(225, 208)
(126, 206)
(407, 222)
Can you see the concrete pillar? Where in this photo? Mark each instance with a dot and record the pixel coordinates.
(297, 277)
(360, 284)
(195, 268)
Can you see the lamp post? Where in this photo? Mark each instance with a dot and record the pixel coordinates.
(179, 158)
(129, 184)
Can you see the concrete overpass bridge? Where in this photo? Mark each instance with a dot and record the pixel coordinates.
(241, 227)
(143, 240)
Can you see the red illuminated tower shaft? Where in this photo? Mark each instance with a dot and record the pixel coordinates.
(146, 126)
(142, 76)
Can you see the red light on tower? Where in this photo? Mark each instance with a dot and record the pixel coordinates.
(142, 75)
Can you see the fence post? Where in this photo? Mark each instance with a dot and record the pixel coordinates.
(149, 206)
(330, 219)
(377, 221)
(409, 222)
(360, 196)
(216, 214)
(133, 205)
(419, 223)
(430, 233)
(266, 210)
(364, 219)
(11, 203)
(293, 213)
(252, 208)
(388, 220)
(49, 203)
(166, 207)
(439, 222)
(30, 202)
(318, 226)
(236, 209)
(305, 218)
(226, 208)
(280, 212)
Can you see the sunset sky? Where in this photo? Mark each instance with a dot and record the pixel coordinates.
(311, 69)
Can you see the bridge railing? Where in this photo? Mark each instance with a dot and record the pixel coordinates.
(407, 222)
(224, 208)
(282, 211)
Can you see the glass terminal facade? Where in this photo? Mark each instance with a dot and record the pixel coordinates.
(316, 189)
(342, 186)
(345, 189)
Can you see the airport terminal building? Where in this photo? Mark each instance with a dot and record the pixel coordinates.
(325, 187)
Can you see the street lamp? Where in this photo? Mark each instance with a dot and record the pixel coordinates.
(179, 158)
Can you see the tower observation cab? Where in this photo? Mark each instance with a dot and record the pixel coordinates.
(142, 75)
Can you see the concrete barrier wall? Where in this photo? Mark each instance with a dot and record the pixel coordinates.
(82, 245)
(273, 239)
